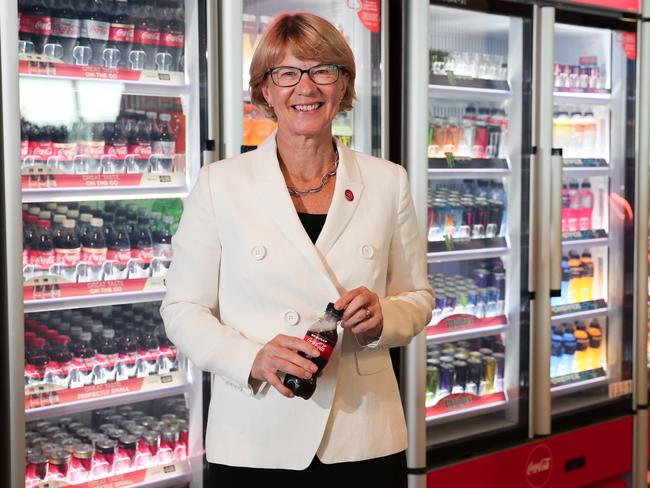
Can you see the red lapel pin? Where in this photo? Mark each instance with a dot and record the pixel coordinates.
(349, 195)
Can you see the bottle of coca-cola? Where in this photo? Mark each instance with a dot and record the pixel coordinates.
(147, 37)
(164, 147)
(119, 251)
(139, 146)
(115, 149)
(35, 26)
(83, 360)
(67, 251)
(141, 249)
(122, 30)
(106, 357)
(66, 28)
(41, 144)
(172, 38)
(41, 250)
(64, 150)
(94, 250)
(323, 336)
(93, 35)
(25, 134)
(90, 139)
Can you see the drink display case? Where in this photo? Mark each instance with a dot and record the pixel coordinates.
(476, 219)
(593, 75)
(109, 146)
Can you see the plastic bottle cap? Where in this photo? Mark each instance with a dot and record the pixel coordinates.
(86, 217)
(59, 219)
(62, 209)
(34, 210)
(168, 219)
(51, 206)
(69, 224)
(108, 333)
(45, 215)
(73, 214)
(97, 222)
(165, 117)
(85, 336)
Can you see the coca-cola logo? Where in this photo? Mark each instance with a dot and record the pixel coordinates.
(173, 40)
(65, 27)
(43, 26)
(98, 30)
(42, 150)
(539, 466)
(65, 152)
(121, 35)
(147, 37)
(141, 151)
(118, 152)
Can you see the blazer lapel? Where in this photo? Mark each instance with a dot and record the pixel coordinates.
(271, 192)
(347, 194)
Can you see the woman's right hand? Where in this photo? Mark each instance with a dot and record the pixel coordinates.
(280, 355)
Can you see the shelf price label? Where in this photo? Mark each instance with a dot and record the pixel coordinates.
(53, 289)
(464, 401)
(50, 395)
(463, 322)
(44, 180)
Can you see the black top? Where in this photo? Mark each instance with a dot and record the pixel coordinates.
(313, 224)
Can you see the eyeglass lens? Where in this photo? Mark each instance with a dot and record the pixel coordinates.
(325, 74)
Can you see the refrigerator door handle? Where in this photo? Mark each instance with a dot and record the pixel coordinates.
(210, 152)
(556, 222)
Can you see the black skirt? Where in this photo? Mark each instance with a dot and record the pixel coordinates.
(383, 472)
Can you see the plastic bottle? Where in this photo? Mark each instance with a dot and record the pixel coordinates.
(323, 336)
(147, 37)
(162, 248)
(575, 284)
(94, 250)
(34, 27)
(139, 146)
(115, 149)
(83, 360)
(172, 39)
(586, 206)
(587, 280)
(41, 249)
(141, 250)
(574, 205)
(107, 357)
(589, 139)
(164, 147)
(127, 357)
(118, 252)
(66, 29)
(120, 36)
(581, 362)
(567, 365)
(67, 251)
(577, 135)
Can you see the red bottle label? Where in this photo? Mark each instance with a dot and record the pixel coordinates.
(41, 150)
(92, 149)
(67, 257)
(120, 256)
(166, 148)
(41, 259)
(321, 342)
(95, 29)
(147, 37)
(94, 256)
(121, 33)
(118, 151)
(36, 24)
(143, 254)
(170, 39)
(24, 149)
(66, 27)
(140, 151)
(64, 151)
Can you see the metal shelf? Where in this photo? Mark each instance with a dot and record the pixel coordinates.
(579, 171)
(33, 195)
(490, 252)
(157, 386)
(468, 412)
(468, 93)
(587, 314)
(47, 304)
(577, 97)
(598, 242)
(482, 173)
(465, 334)
(578, 386)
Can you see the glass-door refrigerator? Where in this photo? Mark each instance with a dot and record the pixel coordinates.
(101, 142)
(592, 119)
(470, 178)
(362, 25)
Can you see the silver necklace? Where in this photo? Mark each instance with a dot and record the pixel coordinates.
(294, 192)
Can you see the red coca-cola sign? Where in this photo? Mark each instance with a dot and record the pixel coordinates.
(140, 151)
(93, 150)
(42, 150)
(539, 466)
(628, 5)
(64, 151)
(118, 151)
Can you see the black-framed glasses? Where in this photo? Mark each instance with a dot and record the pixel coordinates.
(323, 74)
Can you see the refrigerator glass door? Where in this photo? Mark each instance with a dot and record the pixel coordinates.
(593, 71)
(109, 107)
(360, 23)
(476, 214)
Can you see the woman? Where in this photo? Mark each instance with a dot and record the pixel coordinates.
(267, 239)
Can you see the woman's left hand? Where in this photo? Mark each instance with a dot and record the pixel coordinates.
(362, 312)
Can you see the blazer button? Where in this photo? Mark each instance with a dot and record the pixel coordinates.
(258, 252)
(367, 251)
(291, 317)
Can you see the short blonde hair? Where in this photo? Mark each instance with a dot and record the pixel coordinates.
(306, 36)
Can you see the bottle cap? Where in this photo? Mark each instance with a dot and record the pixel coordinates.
(51, 205)
(73, 214)
(83, 451)
(86, 217)
(62, 209)
(97, 222)
(338, 314)
(69, 224)
(58, 218)
(60, 457)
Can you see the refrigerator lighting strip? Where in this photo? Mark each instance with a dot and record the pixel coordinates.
(576, 97)
(465, 334)
(95, 397)
(468, 412)
(447, 174)
(587, 314)
(578, 386)
(598, 242)
(47, 304)
(439, 257)
(466, 93)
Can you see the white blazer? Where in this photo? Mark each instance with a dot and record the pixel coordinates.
(244, 270)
